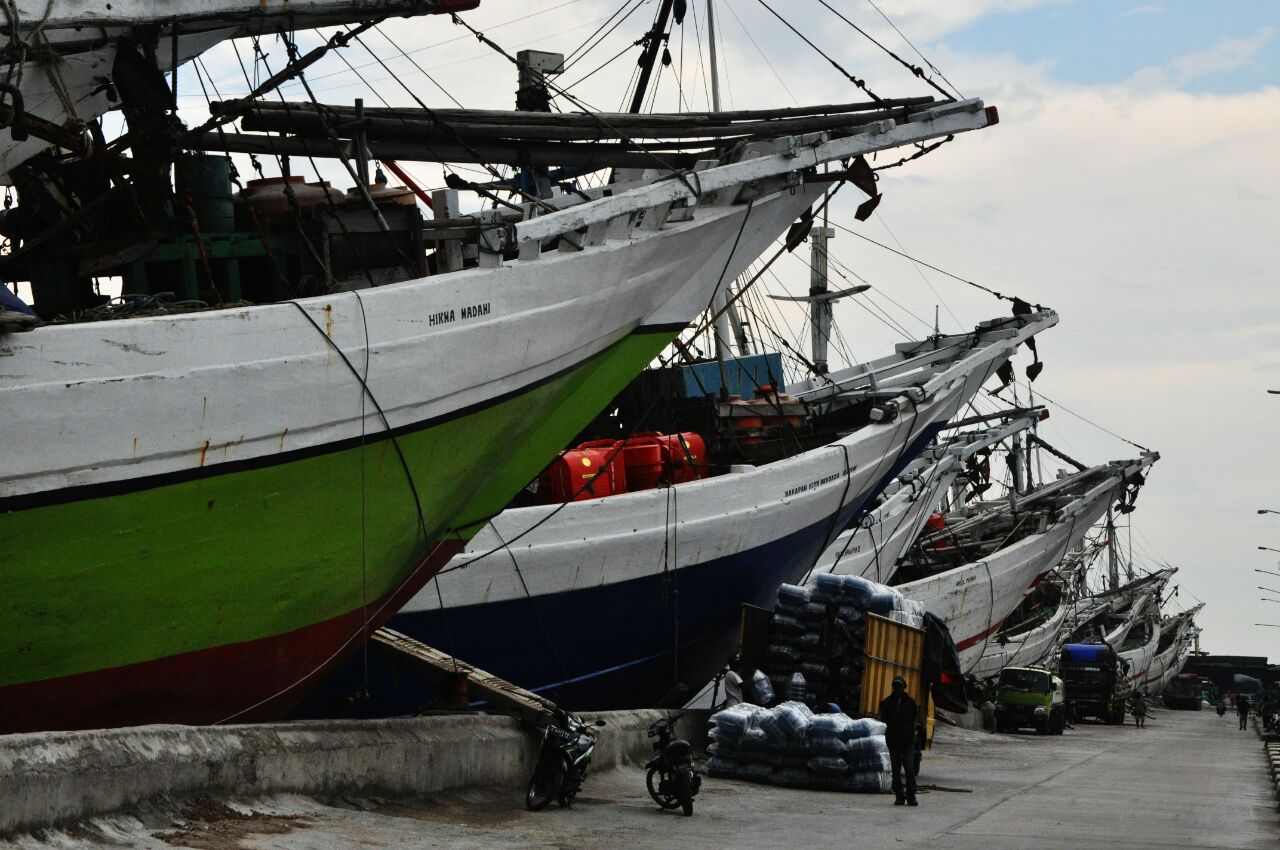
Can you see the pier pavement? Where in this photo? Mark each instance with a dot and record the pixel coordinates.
(1190, 779)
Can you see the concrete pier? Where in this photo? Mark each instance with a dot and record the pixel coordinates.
(1190, 779)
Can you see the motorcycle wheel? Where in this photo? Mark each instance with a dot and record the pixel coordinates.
(653, 780)
(684, 793)
(544, 785)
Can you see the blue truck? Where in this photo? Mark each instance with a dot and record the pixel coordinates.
(1097, 682)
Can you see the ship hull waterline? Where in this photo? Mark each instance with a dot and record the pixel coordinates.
(277, 566)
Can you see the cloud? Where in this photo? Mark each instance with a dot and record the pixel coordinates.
(927, 20)
(1229, 54)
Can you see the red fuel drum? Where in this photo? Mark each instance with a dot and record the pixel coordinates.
(646, 459)
(580, 474)
(686, 457)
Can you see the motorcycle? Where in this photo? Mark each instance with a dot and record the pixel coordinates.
(670, 776)
(567, 745)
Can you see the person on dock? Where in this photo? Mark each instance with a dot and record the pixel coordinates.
(1138, 708)
(1242, 709)
(898, 712)
(834, 640)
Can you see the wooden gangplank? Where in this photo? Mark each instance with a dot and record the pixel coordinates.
(530, 706)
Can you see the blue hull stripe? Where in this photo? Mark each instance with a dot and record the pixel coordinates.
(608, 646)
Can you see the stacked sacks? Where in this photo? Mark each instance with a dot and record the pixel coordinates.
(789, 745)
(863, 595)
(796, 632)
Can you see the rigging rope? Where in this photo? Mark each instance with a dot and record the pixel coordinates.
(1063, 407)
(862, 84)
(903, 254)
(923, 59)
(915, 69)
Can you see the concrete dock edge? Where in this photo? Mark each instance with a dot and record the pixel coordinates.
(52, 778)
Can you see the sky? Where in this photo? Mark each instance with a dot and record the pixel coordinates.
(1132, 184)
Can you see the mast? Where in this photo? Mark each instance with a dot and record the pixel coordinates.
(651, 44)
(1113, 568)
(727, 319)
(820, 312)
(711, 44)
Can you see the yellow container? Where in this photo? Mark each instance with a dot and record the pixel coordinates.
(893, 649)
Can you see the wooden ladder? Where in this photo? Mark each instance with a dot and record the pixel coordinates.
(529, 706)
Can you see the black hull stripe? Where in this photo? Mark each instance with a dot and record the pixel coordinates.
(105, 489)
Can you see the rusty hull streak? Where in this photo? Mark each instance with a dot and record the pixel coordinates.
(282, 435)
(133, 347)
(204, 452)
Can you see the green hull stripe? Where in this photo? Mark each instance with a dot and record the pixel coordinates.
(106, 582)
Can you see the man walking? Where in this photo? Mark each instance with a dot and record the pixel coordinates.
(898, 711)
(1139, 710)
(1242, 709)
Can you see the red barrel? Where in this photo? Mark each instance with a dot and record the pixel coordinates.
(580, 474)
(645, 456)
(686, 457)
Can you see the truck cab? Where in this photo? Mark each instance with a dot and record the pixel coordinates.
(1030, 696)
(1097, 681)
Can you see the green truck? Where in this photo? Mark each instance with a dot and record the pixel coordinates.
(1030, 697)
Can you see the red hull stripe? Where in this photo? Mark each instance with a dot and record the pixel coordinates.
(970, 641)
(244, 682)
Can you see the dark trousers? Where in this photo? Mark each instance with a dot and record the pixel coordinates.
(1139, 720)
(902, 757)
(1243, 718)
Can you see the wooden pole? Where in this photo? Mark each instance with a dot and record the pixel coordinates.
(650, 54)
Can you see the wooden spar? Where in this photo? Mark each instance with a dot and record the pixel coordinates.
(800, 156)
(507, 116)
(575, 155)
(255, 16)
(416, 124)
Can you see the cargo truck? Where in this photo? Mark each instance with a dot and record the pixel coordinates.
(1030, 696)
(1183, 692)
(1096, 680)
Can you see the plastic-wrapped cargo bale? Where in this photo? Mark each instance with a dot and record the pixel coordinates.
(867, 753)
(864, 727)
(851, 615)
(876, 782)
(857, 591)
(792, 600)
(813, 613)
(786, 725)
(793, 777)
(763, 688)
(826, 587)
(780, 653)
(729, 724)
(824, 745)
(828, 766)
(785, 624)
(882, 602)
(720, 766)
(797, 688)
